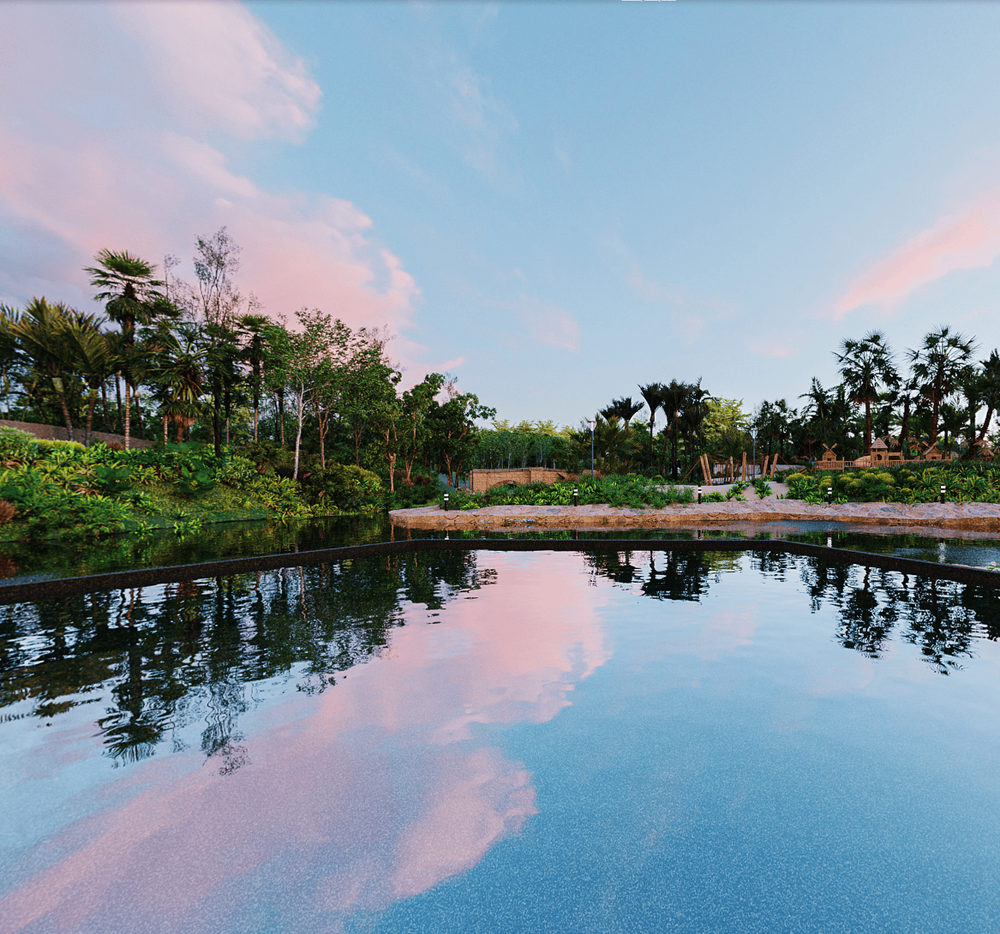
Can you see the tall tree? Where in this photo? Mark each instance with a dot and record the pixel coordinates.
(302, 354)
(88, 346)
(938, 365)
(177, 370)
(865, 367)
(989, 393)
(416, 404)
(653, 394)
(9, 353)
(217, 260)
(674, 398)
(252, 330)
(131, 291)
(454, 434)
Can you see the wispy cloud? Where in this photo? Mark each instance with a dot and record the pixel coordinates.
(650, 291)
(548, 324)
(482, 117)
(965, 239)
(687, 322)
(463, 109)
(775, 348)
(218, 65)
(112, 154)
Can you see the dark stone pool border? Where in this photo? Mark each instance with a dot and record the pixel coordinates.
(31, 591)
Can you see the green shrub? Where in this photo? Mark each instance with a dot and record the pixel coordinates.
(623, 492)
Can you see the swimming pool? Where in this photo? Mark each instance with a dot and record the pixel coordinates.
(617, 741)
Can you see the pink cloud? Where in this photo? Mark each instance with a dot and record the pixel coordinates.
(968, 239)
(374, 791)
(103, 152)
(548, 324)
(775, 349)
(235, 74)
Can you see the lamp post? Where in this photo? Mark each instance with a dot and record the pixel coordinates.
(593, 425)
(753, 438)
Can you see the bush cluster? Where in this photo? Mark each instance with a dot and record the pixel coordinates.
(901, 484)
(63, 489)
(623, 492)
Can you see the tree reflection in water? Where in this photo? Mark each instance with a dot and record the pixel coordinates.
(943, 619)
(192, 653)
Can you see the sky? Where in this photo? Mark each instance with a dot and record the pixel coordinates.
(551, 202)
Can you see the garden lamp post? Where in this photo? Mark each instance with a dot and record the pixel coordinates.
(753, 439)
(593, 425)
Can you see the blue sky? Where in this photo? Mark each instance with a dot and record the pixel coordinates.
(552, 202)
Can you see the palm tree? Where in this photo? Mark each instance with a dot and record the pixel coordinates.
(9, 354)
(653, 394)
(177, 370)
(625, 409)
(938, 366)
(42, 334)
(94, 359)
(816, 413)
(132, 295)
(222, 359)
(673, 401)
(990, 390)
(254, 353)
(866, 365)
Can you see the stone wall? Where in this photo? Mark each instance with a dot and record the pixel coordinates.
(59, 433)
(482, 480)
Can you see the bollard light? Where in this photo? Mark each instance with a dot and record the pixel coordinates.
(576, 496)
(445, 500)
(943, 488)
(829, 496)
(699, 496)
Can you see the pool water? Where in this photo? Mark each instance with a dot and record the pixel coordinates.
(459, 742)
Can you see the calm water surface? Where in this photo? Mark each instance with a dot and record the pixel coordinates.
(505, 742)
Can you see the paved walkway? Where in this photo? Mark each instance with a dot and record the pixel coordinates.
(980, 519)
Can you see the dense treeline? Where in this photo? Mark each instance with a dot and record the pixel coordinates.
(176, 362)
(172, 362)
(942, 396)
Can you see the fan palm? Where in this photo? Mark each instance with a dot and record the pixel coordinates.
(938, 366)
(128, 286)
(865, 366)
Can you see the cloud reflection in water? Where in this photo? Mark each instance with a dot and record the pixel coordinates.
(372, 791)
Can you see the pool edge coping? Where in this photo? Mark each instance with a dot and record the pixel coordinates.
(34, 591)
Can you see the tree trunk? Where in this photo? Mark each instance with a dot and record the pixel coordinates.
(128, 416)
(69, 421)
(91, 405)
(217, 417)
(298, 435)
(986, 425)
(104, 403)
(904, 428)
(322, 423)
(281, 415)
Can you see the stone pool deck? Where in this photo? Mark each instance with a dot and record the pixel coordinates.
(980, 519)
